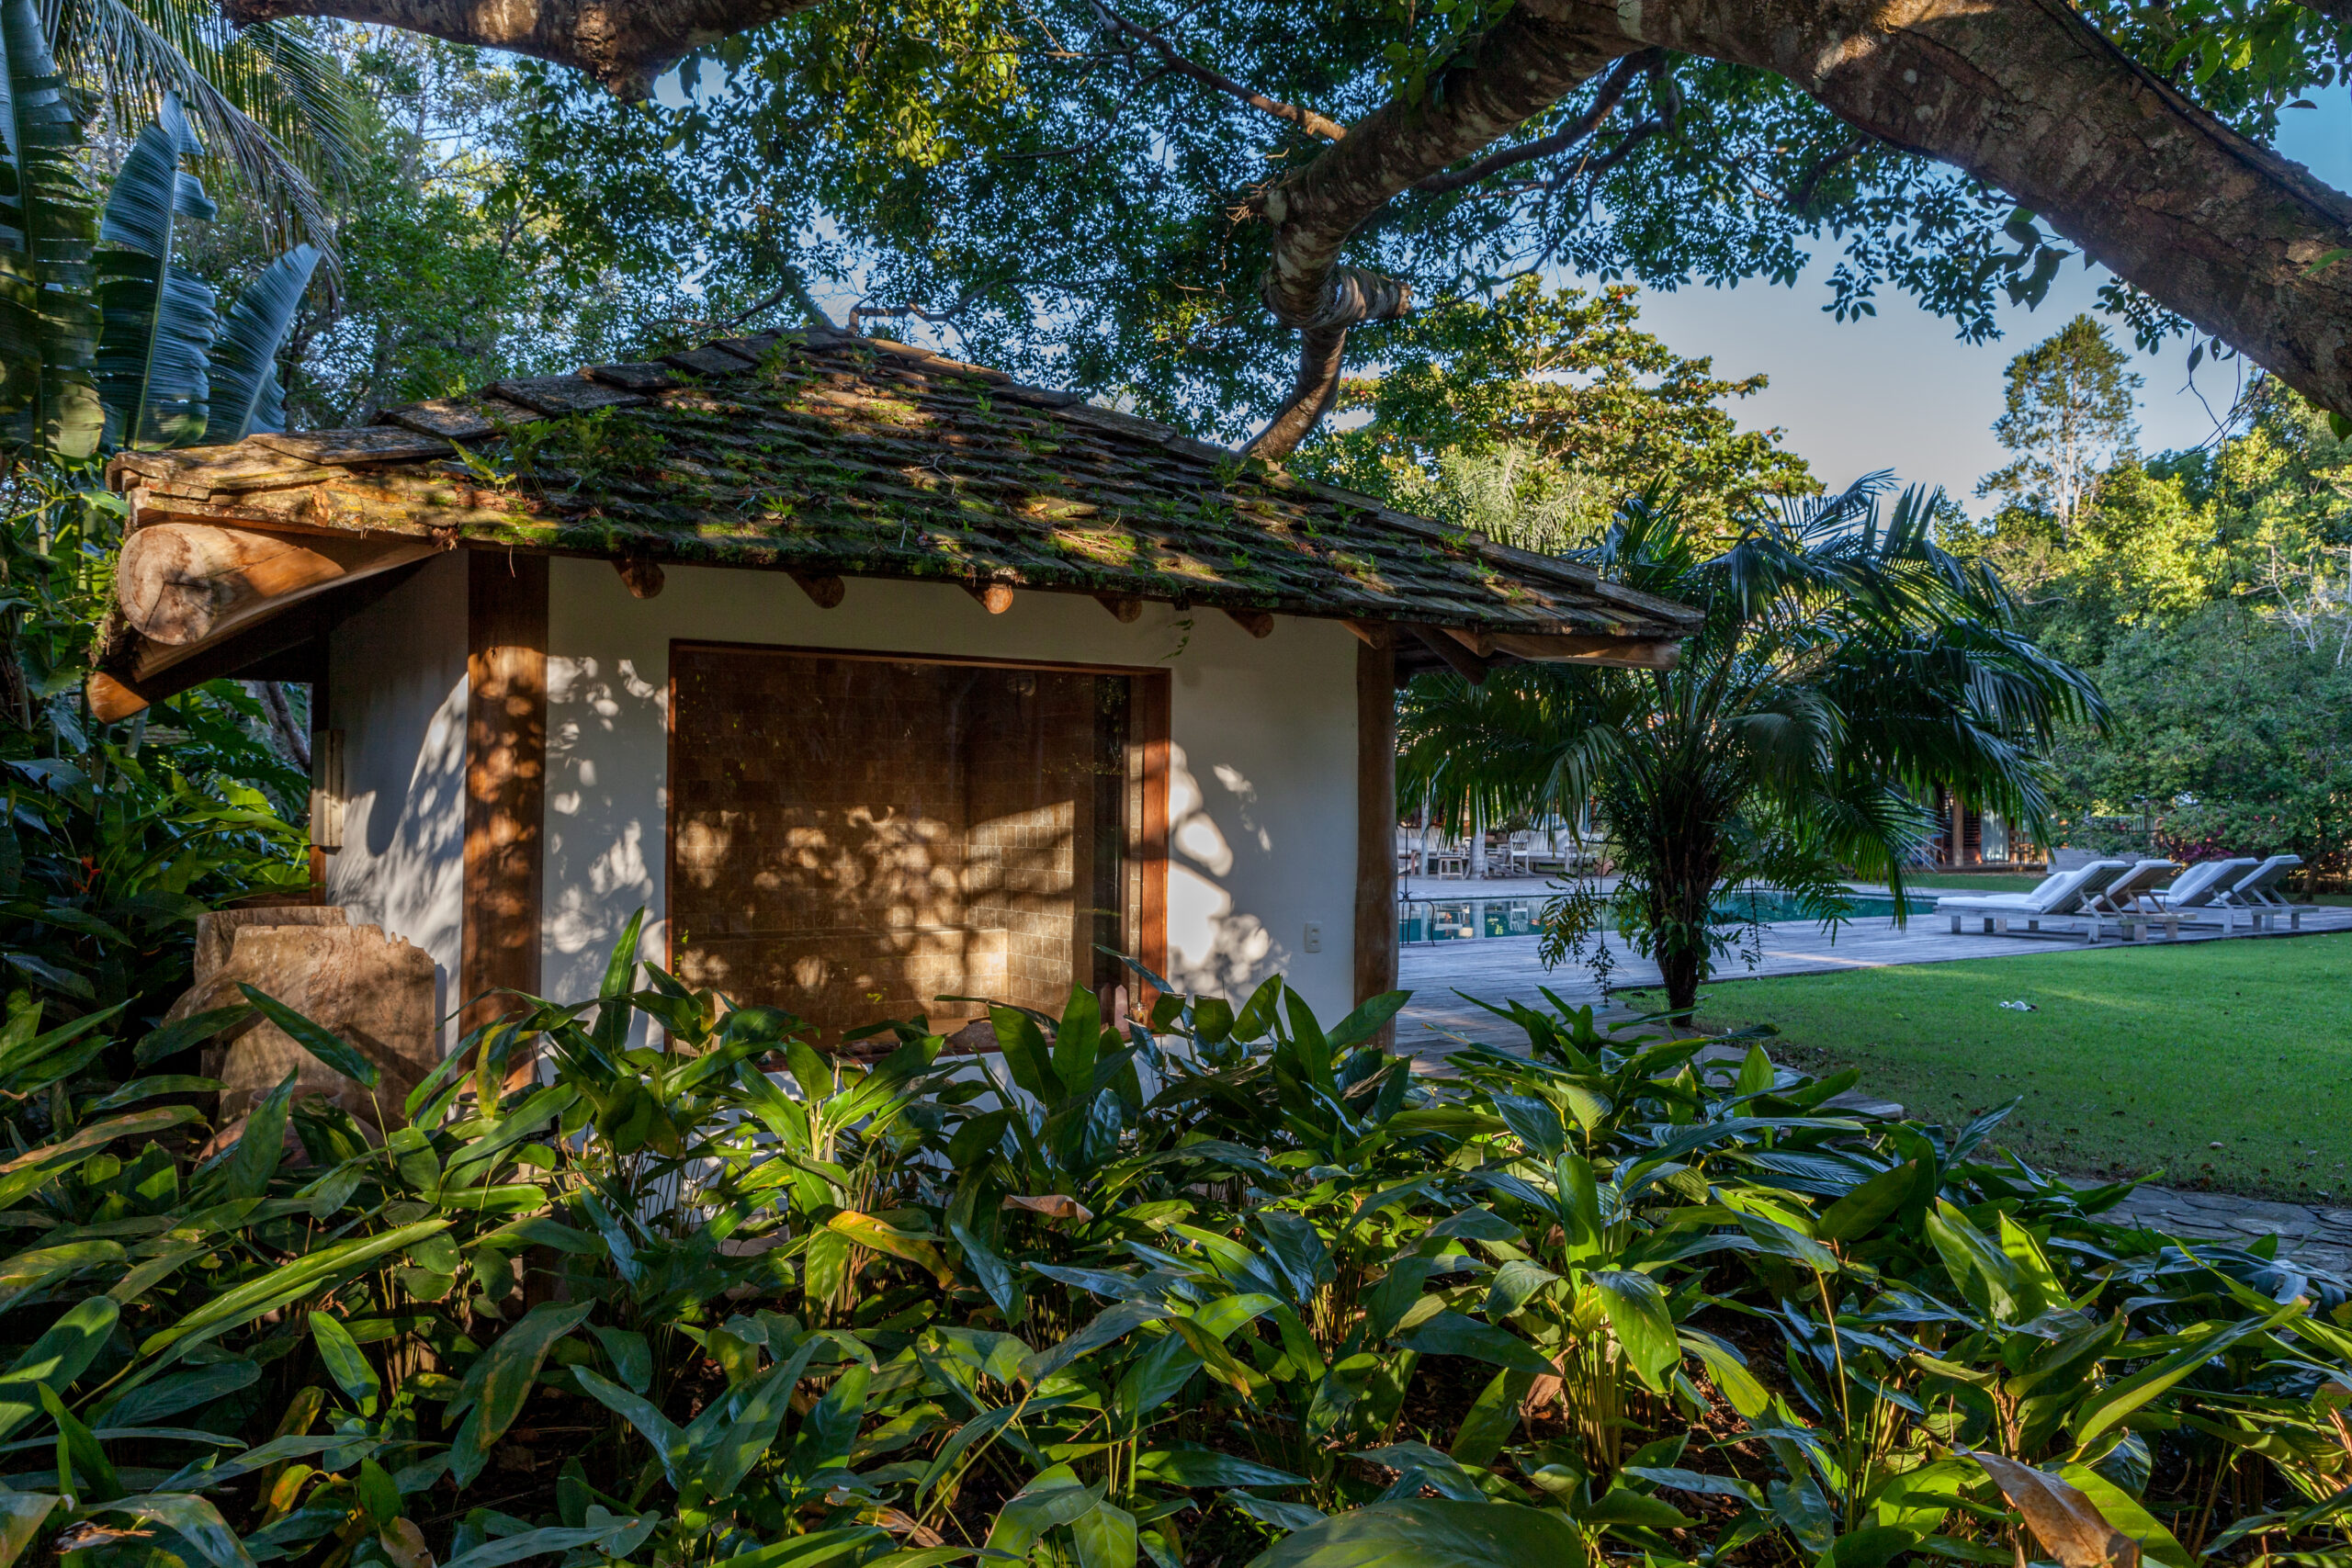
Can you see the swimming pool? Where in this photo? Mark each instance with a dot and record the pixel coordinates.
(1472, 919)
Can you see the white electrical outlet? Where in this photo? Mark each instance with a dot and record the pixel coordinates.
(1313, 936)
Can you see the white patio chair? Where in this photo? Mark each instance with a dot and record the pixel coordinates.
(2198, 892)
(2258, 894)
(2061, 899)
(2129, 900)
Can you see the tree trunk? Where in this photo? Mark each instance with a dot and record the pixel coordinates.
(1685, 864)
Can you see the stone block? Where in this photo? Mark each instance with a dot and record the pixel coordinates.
(373, 991)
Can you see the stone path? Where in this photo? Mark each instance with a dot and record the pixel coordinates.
(2320, 1237)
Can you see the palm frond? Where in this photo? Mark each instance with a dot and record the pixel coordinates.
(272, 108)
(246, 395)
(48, 324)
(159, 319)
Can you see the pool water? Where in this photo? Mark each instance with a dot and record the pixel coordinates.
(1458, 920)
(1769, 905)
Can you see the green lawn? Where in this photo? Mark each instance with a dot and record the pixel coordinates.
(2134, 1058)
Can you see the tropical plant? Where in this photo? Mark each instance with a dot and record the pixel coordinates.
(264, 94)
(1847, 670)
(703, 1296)
(107, 340)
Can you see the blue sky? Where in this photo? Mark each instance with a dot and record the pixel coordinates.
(1898, 390)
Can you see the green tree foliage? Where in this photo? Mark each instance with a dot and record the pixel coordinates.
(2210, 593)
(1128, 1292)
(1847, 668)
(1530, 418)
(2236, 736)
(2070, 413)
(1062, 201)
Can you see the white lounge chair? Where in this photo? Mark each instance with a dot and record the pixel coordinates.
(2062, 901)
(2258, 894)
(2130, 901)
(2200, 891)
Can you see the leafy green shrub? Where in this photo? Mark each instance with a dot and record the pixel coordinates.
(1115, 1293)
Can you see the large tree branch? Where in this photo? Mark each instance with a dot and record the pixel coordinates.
(2022, 94)
(1520, 68)
(624, 44)
(2027, 97)
(1305, 119)
(1613, 88)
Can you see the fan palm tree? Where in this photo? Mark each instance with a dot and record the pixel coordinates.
(1848, 670)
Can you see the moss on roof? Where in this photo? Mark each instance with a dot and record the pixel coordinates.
(825, 452)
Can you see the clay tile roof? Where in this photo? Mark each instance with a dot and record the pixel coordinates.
(827, 453)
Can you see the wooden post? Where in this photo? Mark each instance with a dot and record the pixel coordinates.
(506, 721)
(1149, 716)
(1375, 933)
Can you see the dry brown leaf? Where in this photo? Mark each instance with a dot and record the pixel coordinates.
(1053, 1206)
(889, 1518)
(82, 1537)
(2067, 1523)
(404, 1544)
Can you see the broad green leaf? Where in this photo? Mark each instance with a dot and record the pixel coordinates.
(1535, 1121)
(1872, 1546)
(1205, 1467)
(21, 1514)
(502, 1378)
(1424, 1534)
(668, 1442)
(1857, 1212)
(2105, 1407)
(350, 1369)
(323, 1044)
(317, 1271)
(1492, 1418)
(196, 1521)
(1637, 1312)
(36, 1168)
(632, 1357)
(875, 1235)
(547, 1542)
(2126, 1513)
(1452, 1334)
(261, 1146)
(1113, 1323)
(817, 1546)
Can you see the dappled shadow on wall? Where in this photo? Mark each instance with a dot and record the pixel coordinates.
(854, 838)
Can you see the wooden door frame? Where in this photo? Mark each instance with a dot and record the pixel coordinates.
(1150, 700)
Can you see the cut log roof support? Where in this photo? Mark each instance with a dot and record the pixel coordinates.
(188, 587)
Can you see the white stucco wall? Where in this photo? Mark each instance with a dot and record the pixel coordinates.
(1261, 797)
(396, 687)
(1262, 777)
